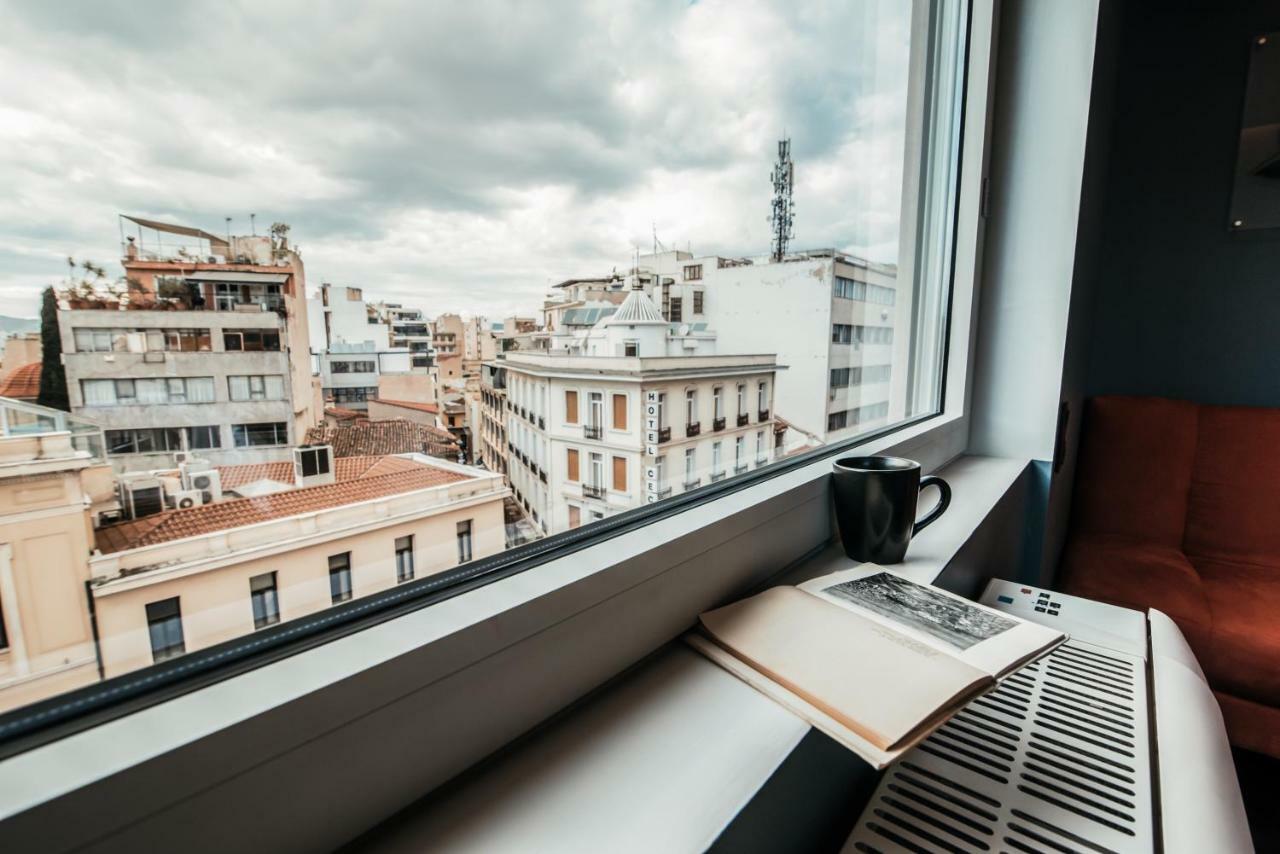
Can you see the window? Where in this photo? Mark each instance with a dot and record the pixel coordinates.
(251, 340)
(620, 474)
(851, 289)
(840, 377)
(159, 391)
(691, 407)
(314, 461)
(697, 302)
(263, 599)
(164, 626)
(660, 475)
(340, 577)
(841, 333)
(260, 435)
(662, 409)
(464, 541)
(596, 471)
(690, 468)
(595, 410)
(571, 465)
(717, 465)
(762, 399)
(88, 340)
(148, 440)
(692, 272)
(404, 558)
(860, 415)
(255, 387)
(570, 407)
(742, 398)
(675, 312)
(360, 367)
(204, 438)
(740, 453)
(761, 454)
(619, 412)
(717, 400)
(630, 348)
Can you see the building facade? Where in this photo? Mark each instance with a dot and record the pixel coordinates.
(204, 353)
(620, 416)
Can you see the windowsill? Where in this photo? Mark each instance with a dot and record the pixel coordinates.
(582, 783)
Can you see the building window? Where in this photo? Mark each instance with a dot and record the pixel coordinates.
(204, 438)
(570, 406)
(266, 604)
(619, 412)
(464, 541)
(692, 272)
(841, 333)
(697, 302)
(89, 340)
(256, 387)
(266, 434)
(853, 289)
(631, 348)
(760, 451)
(690, 467)
(154, 391)
(251, 340)
(676, 312)
(347, 367)
(839, 377)
(762, 397)
(662, 409)
(595, 410)
(595, 470)
(717, 464)
(740, 452)
(164, 625)
(404, 558)
(340, 577)
(691, 406)
(150, 440)
(620, 474)
(717, 400)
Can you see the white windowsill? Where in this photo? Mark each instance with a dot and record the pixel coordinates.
(679, 739)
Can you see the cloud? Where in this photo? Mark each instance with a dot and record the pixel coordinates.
(456, 157)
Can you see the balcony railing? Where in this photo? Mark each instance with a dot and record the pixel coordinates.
(693, 429)
(763, 415)
(664, 435)
(592, 431)
(717, 425)
(743, 418)
(692, 484)
(542, 423)
(716, 477)
(590, 490)
(665, 492)
(740, 468)
(542, 475)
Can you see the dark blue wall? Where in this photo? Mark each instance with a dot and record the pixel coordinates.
(1184, 308)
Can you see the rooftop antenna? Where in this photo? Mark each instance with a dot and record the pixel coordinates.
(253, 228)
(782, 215)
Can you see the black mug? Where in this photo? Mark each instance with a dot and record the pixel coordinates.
(876, 501)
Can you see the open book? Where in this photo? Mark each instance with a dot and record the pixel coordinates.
(871, 658)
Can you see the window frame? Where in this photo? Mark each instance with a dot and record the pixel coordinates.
(35, 733)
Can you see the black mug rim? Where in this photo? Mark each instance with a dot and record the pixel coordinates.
(883, 464)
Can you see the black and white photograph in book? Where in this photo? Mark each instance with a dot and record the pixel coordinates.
(922, 608)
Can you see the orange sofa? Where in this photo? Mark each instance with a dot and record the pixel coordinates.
(1177, 507)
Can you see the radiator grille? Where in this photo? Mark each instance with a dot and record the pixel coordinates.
(1054, 759)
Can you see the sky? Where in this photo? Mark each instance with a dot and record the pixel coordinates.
(450, 156)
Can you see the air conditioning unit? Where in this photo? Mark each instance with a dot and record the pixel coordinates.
(208, 482)
(180, 457)
(313, 465)
(185, 499)
(141, 496)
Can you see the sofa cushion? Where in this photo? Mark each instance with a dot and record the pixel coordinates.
(1133, 574)
(1233, 511)
(1244, 653)
(1135, 468)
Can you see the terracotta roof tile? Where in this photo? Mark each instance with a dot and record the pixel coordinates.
(392, 436)
(343, 414)
(22, 383)
(367, 478)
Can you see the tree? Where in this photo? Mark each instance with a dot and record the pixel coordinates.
(53, 377)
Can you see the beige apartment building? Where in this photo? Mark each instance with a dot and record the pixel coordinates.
(53, 477)
(206, 351)
(291, 546)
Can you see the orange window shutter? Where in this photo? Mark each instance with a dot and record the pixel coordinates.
(573, 464)
(619, 412)
(620, 474)
(571, 408)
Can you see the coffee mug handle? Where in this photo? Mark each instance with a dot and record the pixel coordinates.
(944, 502)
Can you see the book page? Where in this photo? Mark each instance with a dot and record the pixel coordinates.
(879, 683)
(990, 640)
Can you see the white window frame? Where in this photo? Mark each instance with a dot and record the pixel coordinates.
(216, 754)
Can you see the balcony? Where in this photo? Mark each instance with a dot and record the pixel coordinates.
(692, 484)
(740, 468)
(542, 423)
(763, 415)
(592, 431)
(542, 475)
(693, 429)
(716, 477)
(590, 490)
(717, 425)
(665, 492)
(743, 418)
(664, 435)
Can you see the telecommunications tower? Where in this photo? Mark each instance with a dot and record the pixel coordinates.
(782, 217)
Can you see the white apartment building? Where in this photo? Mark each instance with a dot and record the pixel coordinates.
(351, 348)
(830, 317)
(409, 328)
(203, 353)
(630, 412)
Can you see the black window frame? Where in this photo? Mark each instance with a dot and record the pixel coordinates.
(466, 545)
(340, 587)
(263, 589)
(242, 433)
(166, 612)
(404, 558)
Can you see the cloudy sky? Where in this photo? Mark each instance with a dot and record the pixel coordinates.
(452, 156)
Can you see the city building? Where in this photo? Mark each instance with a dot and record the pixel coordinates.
(290, 544)
(478, 343)
(491, 426)
(204, 352)
(410, 329)
(629, 412)
(53, 478)
(352, 351)
(22, 348)
(447, 334)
